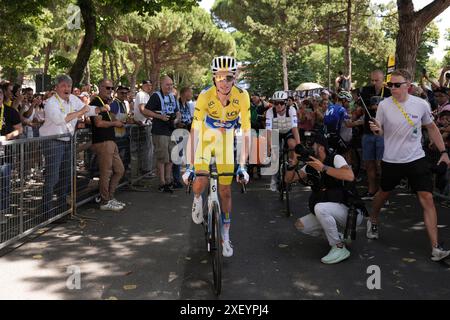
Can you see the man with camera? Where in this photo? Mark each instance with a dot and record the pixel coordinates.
(163, 108)
(326, 173)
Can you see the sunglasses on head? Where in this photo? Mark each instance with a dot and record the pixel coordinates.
(395, 84)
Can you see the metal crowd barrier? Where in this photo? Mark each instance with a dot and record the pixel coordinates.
(35, 184)
(44, 179)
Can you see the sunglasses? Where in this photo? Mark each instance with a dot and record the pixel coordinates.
(109, 88)
(279, 103)
(227, 78)
(395, 84)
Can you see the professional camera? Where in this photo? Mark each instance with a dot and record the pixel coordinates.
(304, 153)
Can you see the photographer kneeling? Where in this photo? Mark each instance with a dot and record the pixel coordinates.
(325, 173)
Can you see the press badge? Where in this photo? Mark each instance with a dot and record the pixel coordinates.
(415, 133)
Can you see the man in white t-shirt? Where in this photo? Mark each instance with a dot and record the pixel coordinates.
(399, 120)
(328, 199)
(62, 112)
(142, 118)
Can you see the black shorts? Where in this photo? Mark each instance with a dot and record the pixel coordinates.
(418, 173)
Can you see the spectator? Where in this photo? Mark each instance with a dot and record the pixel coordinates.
(164, 110)
(120, 111)
(76, 92)
(291, 103)
(142, 118)
(10, 128)
(442, 99)
(7, 88)
(185, 123)
(342, 82)
(104, 146)
(258, 107)
(62, 112)
(372, 145)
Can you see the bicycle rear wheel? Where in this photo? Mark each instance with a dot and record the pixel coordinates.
(216, 249)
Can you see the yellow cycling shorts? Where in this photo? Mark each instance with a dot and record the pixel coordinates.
(219, 144)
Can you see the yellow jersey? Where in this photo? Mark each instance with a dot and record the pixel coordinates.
(209, 112)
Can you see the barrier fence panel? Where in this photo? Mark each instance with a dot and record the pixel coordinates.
(35, 184)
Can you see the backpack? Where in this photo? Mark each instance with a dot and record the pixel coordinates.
(333, 118)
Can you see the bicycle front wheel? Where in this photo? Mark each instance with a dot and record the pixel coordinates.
(216, 248)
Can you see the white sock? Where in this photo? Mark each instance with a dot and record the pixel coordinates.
(226, 232)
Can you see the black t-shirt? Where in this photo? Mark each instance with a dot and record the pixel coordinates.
(101, 134)
(367, 93)
(160, 127)
(10, 119)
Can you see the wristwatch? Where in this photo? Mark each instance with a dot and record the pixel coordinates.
(325, 168)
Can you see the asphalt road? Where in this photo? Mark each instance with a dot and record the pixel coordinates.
(152, 250)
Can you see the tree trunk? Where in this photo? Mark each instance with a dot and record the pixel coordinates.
(87, 74)
(104, 72)
(146, 66)
(348, 42)
(90, 27)
(154, 75)
(111, 68)
(48, 50)
(411, 26)
(116, 64)
(285, 68)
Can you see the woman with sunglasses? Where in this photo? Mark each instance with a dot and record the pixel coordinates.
(399, 120)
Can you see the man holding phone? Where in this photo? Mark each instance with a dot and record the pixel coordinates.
(399, 120)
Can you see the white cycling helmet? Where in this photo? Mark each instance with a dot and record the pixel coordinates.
(280, 96)
(224, 64)
(345, 95)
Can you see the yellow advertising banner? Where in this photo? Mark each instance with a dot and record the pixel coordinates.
(390, 67)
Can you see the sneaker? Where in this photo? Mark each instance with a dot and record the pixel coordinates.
(168, 188)
(118, 203)
(197, 210)
(438, 253)
(336, 255)
(368, 196)
(110, 206)
(176, 185)
(273, 185)
(227, 249)
(372, 230)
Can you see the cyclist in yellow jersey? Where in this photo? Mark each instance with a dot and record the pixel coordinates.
(217, 112)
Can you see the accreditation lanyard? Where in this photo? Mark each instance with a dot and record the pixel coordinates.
(411, 123)
(103, 104)
(1, 117)
(61, 107)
